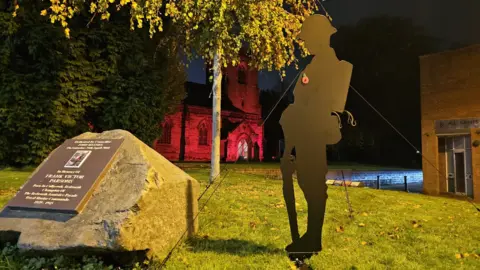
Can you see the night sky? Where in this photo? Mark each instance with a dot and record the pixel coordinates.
(454, 21)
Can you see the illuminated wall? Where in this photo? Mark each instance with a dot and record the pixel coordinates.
(241, 124)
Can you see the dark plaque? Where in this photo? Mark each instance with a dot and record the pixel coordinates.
(65, 182)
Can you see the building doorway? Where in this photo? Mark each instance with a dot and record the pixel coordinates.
(458, 155)
(242, 150)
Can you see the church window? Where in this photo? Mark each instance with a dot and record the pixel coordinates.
(166, 133)
(202, 134)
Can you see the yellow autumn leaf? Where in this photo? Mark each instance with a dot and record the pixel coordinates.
(361, 225)
(465, 255)
(458, 256)
(43, 12)
(364, 243)
(415, 225)
(364, 214)
(67, 32)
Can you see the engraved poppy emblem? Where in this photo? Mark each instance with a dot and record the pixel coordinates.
(305, 79)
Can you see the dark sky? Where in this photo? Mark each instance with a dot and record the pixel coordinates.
(455, 22)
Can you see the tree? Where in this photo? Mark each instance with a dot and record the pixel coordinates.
(50, 87)
(384, 51)
(214, 29)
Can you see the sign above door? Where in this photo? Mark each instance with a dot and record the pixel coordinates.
(456, 125)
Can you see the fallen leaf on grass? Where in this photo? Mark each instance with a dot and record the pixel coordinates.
(364, 243)
(273, 229)
(364, 214)
(415, 224)
(465, 255)
(339, 229)
(361, 225)
(458, 256)
(253, 225)
(417, 206)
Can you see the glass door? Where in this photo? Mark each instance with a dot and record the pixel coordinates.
(460, 179)
(458, 152)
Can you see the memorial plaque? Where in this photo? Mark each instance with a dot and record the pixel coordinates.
(65, 182)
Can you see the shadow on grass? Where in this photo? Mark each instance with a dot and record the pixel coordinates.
(231, 246)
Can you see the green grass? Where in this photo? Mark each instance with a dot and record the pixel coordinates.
(245, 226)
(276, 165)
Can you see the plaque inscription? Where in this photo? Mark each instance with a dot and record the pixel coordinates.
(65, 182)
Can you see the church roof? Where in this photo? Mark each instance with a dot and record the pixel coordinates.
(199, 95)
(227, 126)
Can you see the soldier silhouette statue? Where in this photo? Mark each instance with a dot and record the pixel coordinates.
(309, 125)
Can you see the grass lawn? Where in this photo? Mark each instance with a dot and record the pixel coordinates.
(276, 165)
(245, 226)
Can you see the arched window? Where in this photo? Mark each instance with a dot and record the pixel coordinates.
(202, 134)
(166, 133)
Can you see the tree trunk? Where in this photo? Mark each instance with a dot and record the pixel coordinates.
(216, 117)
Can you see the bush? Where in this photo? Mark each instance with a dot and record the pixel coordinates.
(52, 87)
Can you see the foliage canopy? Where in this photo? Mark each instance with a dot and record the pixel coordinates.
(224, 27)
(51, 87)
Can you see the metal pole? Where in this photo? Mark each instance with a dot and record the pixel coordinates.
(378, 181)
(405, 182)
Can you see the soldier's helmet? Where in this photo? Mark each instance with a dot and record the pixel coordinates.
(316, 28)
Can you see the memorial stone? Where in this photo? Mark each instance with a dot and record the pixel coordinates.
(122, 195)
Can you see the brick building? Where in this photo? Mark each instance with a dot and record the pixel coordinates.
(450, 101)
(187, 134)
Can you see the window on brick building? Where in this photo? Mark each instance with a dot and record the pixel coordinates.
(166, 137)
(202, 134)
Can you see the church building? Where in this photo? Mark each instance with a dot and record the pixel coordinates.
(187, 133)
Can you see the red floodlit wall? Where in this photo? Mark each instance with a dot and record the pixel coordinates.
(197, 117)
(244, 95)
(171, 150)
